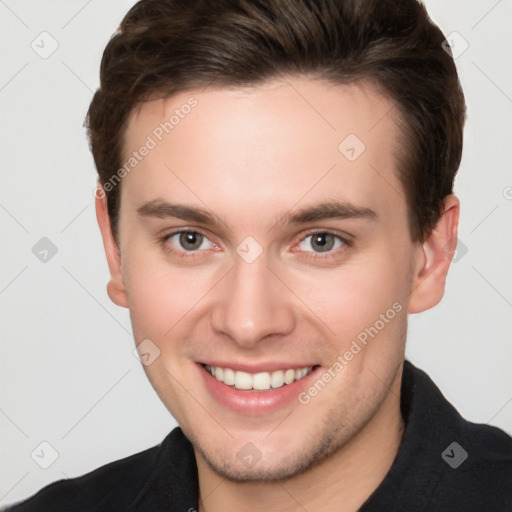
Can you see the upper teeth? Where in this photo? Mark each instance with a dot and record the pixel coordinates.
(259, 381)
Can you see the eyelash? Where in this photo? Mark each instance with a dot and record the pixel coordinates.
(346, 244)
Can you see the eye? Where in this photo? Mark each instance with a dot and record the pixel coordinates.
(322, 242)
(183, 242)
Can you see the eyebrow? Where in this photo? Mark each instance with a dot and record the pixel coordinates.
(326, 210)
(163, 210)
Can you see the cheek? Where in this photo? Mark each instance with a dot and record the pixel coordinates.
(351, 298)
(158, 294)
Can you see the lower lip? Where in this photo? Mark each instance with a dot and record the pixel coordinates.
(252, 401)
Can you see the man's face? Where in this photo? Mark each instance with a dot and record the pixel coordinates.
(265, 291)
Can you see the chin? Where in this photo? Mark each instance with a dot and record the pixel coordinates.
(249, 464)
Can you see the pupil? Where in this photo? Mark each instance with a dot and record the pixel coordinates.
(323, 241)
(190, 241)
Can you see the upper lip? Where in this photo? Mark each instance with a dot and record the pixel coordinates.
(270, 366)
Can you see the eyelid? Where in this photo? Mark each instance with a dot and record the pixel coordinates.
(328, 231)
(346, 239)
(164, 239)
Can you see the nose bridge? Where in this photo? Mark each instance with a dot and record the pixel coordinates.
(252, 304)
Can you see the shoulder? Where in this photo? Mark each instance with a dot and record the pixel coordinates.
(454, 464)
(480, 465)
(476, 470)
(489, 443)
(118, 482)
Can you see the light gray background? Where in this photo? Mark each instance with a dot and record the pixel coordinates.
(68, 373)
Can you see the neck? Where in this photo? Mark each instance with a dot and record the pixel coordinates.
(340, 483)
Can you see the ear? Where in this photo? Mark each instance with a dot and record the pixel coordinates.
(434, 257)
(115, 288)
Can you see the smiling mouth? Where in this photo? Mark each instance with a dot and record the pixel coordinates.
(261, 381)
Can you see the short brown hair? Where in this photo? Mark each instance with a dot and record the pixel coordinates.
(163, 47)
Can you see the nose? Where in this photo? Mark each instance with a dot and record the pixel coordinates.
(253, 304)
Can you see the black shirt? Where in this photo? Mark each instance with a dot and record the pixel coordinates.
(444, 463)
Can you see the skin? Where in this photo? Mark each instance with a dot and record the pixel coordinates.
(250, 156)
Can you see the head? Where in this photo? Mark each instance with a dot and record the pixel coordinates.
(277, 183)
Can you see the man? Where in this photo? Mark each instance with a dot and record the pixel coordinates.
(276, 196)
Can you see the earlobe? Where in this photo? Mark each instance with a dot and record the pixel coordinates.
(115, 288)
(434, 258)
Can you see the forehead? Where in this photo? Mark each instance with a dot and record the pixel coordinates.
(287, 141)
